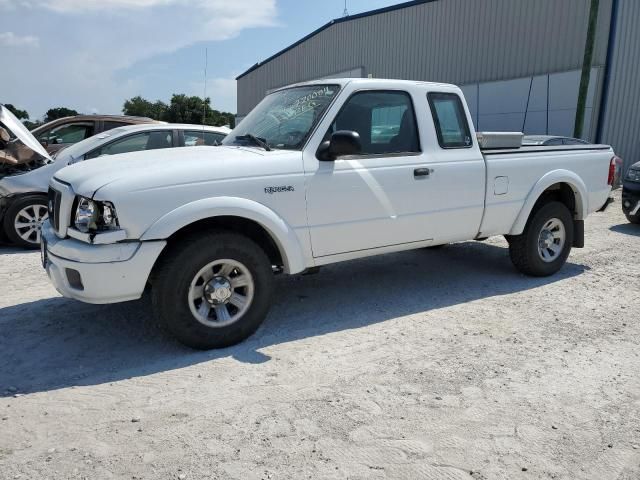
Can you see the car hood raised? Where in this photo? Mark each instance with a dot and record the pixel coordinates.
(155, 169)
(21, 132)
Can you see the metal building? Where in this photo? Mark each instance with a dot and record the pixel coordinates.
(519, 62)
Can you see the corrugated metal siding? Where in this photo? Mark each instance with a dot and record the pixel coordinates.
(456, 41)
(621, 126)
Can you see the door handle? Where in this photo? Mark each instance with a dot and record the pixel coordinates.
(421, 172)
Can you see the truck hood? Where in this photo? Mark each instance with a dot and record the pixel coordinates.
(21, 132)
(155, 169)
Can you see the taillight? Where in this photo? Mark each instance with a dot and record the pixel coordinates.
(614, 170)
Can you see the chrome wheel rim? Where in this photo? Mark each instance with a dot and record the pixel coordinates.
(551, 240)
(221, 293)
(28, 222)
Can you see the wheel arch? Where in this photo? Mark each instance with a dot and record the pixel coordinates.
(247, 217)
(560, 185)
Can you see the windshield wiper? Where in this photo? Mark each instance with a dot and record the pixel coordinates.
(258, 141)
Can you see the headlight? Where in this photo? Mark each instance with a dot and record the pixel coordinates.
(92, 216)
(633, 174)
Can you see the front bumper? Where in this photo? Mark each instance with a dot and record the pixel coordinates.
(98, 273)
(631, 198)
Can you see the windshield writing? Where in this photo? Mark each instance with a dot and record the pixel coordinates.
(284, 119)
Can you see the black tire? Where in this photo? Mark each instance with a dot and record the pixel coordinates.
(177, 269)
(523, 249)
(10, 217)
(635, 219)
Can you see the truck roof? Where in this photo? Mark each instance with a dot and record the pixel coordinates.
(381, 82)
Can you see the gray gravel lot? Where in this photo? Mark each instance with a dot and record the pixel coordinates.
(442, 364)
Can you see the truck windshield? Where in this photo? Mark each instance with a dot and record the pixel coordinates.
(284, 119)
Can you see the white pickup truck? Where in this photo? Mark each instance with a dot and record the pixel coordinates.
(317, 173)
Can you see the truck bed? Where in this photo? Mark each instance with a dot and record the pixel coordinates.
(538, 149)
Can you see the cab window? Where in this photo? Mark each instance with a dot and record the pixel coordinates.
(385, 121)
(450, 120)
(135, 143)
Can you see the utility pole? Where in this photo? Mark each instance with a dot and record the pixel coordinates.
(586, 68)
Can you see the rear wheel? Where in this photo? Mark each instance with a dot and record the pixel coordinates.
(23, 220)
(213, 290)
(542, 249)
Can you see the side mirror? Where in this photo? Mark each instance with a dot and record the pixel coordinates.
(343, 142)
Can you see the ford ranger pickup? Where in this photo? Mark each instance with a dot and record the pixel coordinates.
(317, 173)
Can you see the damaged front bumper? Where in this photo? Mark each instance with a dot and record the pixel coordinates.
(98, 273)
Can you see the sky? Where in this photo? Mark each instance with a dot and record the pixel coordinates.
(91, 55)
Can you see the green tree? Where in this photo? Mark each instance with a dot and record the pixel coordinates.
(59, 112)
(19, 114)
(141, 107)
(181, 109)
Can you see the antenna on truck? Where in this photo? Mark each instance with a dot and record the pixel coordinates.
(345, 13)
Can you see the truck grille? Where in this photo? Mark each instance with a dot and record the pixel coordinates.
(54, 208)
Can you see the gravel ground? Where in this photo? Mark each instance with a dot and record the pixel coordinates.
(429, 364)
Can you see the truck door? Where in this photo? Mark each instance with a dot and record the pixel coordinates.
(408, 185)
(376, 198)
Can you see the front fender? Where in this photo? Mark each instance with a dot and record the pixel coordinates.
(549, 179)
(283, 235)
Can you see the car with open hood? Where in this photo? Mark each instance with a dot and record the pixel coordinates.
(26, 167)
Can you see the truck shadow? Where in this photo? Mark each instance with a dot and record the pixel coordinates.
(627, 229)
(6, 249)
(57, 343)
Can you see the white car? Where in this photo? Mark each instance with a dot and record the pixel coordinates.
(309, 178)
(23, 185)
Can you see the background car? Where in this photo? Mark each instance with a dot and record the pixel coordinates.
(61, 133)
(550, 140)
(23, 186)
(631, 194)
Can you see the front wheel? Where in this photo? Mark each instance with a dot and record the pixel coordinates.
(633, 218)
(542, 249)
(23, 220)
(213, 290)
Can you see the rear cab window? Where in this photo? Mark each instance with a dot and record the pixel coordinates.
(450, 120)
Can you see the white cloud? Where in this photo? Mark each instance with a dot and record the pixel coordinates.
(82, 6)
(85, 43)
(10, 39)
